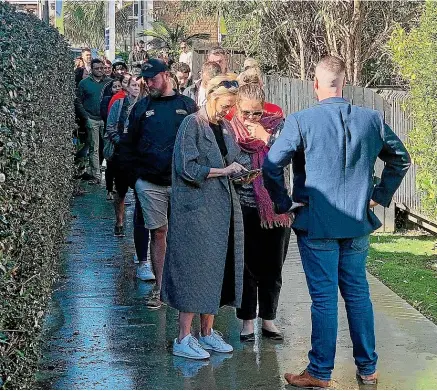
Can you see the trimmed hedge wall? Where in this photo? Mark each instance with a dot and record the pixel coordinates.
(36, 165)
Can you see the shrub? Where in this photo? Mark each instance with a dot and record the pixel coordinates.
(415, 53)
(36, 160)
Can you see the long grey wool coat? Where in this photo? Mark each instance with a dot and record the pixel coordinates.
(200, 219)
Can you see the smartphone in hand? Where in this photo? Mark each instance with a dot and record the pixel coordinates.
(246, 175)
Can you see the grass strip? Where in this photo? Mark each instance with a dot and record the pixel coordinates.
(407, 264)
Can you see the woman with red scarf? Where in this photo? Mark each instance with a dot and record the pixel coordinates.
(266, 234)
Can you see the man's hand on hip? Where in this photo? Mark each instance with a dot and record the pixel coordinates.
(373, 204)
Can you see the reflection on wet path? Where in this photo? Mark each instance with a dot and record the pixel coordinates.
(100, 335)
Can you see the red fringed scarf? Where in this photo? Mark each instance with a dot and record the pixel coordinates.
(258, 151)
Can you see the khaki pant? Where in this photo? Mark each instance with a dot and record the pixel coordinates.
(95, 129)
(154, 200)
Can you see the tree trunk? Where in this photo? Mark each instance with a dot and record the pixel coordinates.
(301, 53)
(355, 40)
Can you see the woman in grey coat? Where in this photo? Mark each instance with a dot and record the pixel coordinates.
(204, 262)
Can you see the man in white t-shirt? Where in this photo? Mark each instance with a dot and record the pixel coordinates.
(197, 91)
(186, 56)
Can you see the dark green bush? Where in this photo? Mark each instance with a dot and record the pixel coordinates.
(36, 123)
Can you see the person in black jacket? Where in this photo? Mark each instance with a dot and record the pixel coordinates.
(114, 87)
(84, 71)
(153, 125)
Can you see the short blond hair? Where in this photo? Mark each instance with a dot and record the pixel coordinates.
(212, 90)
(250, 62)
(330, 71)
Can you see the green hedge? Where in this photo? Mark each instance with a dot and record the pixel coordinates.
(415, 53)
(36, 163)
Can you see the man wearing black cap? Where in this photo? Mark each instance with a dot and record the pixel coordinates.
(153, 124)
(119, 67)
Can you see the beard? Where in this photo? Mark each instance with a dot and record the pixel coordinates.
(155, 93)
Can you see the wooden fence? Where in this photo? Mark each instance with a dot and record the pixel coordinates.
(200, 54)
(294, 95)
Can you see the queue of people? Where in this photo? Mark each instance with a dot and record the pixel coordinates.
(221, 180)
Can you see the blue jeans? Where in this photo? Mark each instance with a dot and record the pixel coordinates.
(330, 264)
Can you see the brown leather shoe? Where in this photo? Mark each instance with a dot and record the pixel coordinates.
(306, 381)
(368, 380)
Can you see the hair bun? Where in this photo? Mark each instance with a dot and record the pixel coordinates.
(250, 76)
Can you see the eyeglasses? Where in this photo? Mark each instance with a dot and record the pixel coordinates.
(247, 113)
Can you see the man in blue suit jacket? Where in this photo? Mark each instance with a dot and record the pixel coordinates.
(333, 148)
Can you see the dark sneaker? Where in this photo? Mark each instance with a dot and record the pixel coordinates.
(119, 231)
(79, 175)
(86, 177)
(154, 301)
(94, 181)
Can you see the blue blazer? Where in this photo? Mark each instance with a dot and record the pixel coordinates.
(333, 148)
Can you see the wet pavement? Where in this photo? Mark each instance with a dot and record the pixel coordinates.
(99, 334)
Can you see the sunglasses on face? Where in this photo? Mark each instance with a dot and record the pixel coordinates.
(248, 113)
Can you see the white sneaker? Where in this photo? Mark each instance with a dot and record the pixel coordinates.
(215, 343)
(144, 272)
(189, 347)
(136, 259)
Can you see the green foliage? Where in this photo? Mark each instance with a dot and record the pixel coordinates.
(290, 37)
(85, 22)
(123, 55)
(36, 121)
(166, 37)
(415, 53)
(407, 264)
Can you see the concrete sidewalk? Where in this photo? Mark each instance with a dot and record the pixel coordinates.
(99, 334)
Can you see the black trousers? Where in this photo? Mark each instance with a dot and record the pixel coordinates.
(109, 175)
(264, 255)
